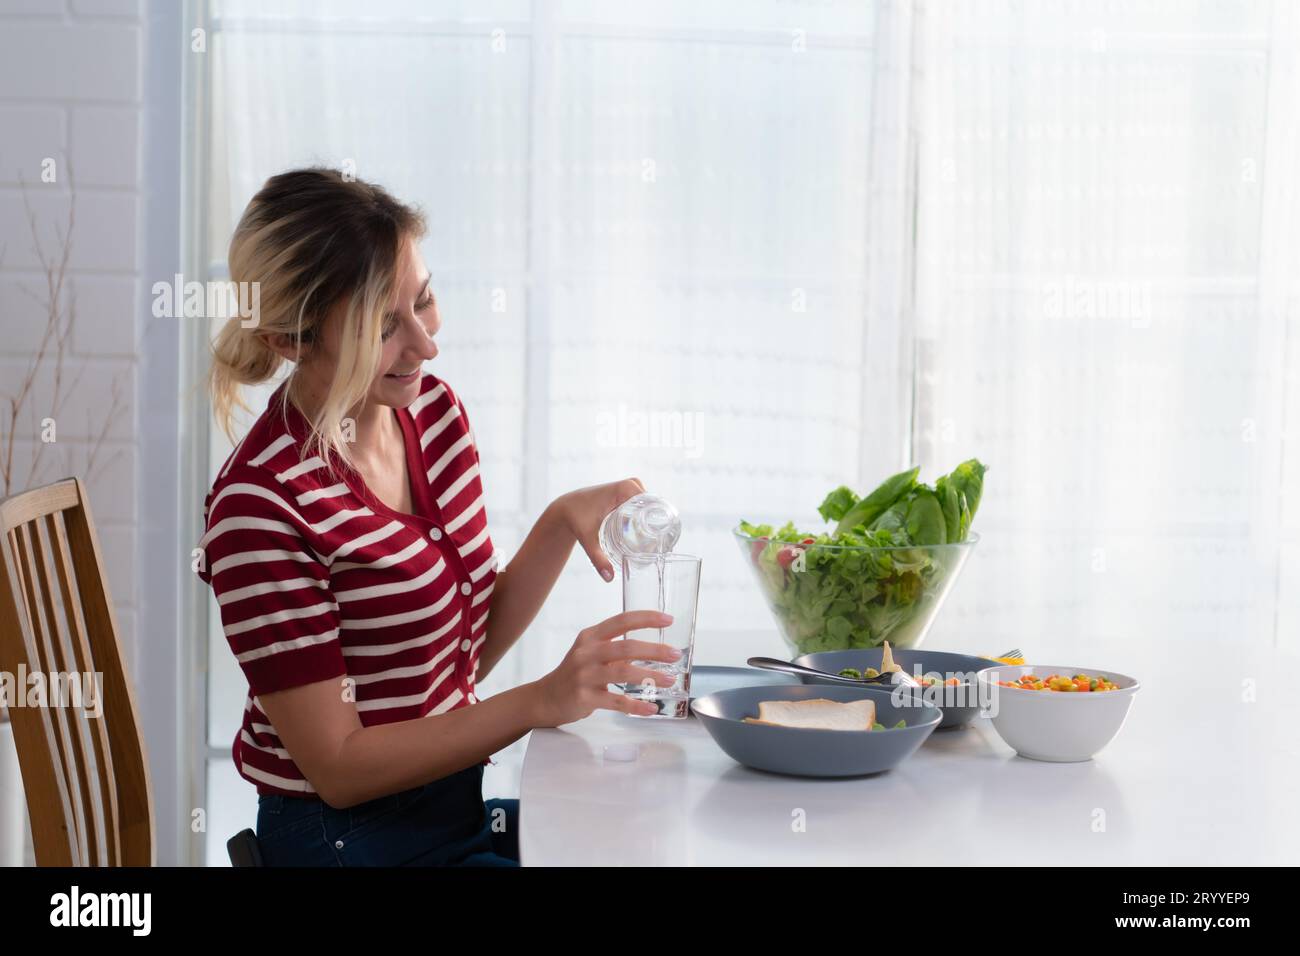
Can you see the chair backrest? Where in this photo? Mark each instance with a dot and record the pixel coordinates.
(84, 769)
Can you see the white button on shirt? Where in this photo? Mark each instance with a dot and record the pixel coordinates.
(466, 588)
(465, 645)
(435, 534)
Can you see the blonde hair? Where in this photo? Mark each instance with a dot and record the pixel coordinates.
(309, 238)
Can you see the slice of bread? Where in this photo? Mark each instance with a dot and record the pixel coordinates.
(819, 714)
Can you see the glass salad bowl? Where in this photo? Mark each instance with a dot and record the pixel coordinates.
(829, 597)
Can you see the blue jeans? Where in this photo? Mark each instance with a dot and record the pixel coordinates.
(443, 823)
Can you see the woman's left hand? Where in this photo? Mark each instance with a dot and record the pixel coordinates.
(582, 512)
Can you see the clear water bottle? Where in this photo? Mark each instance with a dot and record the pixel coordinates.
(644, 524)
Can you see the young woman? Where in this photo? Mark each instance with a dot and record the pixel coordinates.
(347, 544)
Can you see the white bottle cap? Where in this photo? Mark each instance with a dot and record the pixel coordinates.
(622, 753)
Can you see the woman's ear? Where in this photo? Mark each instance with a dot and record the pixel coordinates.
(285, 346)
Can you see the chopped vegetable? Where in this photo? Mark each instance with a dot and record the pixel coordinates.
(898, 726)
(1078, 683)
(925, 680)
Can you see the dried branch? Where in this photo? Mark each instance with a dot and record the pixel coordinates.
(53, 354)
(116, 406)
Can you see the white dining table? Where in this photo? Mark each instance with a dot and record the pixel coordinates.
(1205, 771)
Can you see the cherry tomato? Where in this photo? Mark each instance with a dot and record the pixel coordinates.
(785, 557)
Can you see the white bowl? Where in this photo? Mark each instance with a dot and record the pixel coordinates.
(1060, 726)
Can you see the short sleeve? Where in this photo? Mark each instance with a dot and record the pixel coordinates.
(469, 426)
(278, 613)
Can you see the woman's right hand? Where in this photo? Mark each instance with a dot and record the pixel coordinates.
(580, 684)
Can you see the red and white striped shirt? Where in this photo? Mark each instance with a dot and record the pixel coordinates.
(318, 579)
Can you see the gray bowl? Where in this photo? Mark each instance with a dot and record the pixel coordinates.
(960, 705)
(814, 753)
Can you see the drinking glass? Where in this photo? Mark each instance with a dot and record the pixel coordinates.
(668, 583)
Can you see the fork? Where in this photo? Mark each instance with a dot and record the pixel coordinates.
(889, 678)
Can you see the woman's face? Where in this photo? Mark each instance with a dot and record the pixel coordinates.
(408, 332)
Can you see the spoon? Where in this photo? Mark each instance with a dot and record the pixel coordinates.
(889, 678)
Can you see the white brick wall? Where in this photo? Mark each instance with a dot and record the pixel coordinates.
(70, 89)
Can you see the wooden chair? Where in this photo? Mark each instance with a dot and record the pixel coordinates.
(85, 775)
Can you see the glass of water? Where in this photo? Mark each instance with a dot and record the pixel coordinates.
(668, 583)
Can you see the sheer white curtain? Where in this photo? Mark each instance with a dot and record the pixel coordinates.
(657, 233)
(1106, 314)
